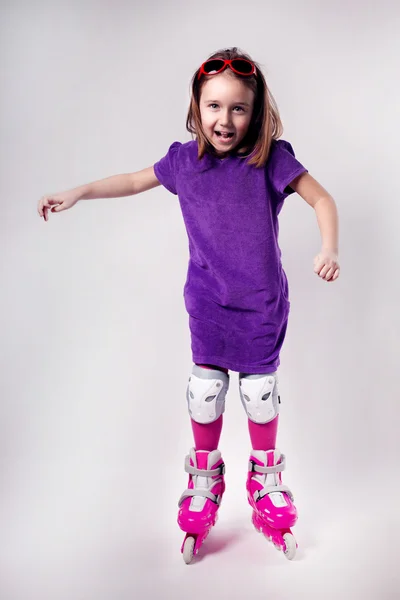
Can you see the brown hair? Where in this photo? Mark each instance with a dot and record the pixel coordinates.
(265, 124)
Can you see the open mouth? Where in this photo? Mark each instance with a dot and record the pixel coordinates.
(224, 135)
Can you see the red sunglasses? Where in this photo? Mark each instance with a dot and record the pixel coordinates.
(213, 66)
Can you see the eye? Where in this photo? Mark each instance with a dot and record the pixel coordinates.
(212, 105)
(240, 108)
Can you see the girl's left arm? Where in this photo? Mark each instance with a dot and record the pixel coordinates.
(326, 263)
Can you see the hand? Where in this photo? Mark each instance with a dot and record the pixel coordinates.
(58, 202)
(326, 265)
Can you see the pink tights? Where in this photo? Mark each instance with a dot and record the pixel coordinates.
(207, 436)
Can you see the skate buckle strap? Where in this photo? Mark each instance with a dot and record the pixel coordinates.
(204, 493)
(269, 489)
(203, 472)
(268, 470)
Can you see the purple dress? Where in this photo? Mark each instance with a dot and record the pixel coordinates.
(236, 292)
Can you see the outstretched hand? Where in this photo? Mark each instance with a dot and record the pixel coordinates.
(58, 202)
(326, 265)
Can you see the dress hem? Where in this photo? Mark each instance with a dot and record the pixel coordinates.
(220, 362)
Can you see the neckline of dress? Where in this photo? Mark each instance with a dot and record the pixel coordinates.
(228, 157)
(224, 159)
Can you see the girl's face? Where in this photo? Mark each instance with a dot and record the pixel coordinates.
(226, 106)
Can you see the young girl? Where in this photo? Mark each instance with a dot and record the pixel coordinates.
(231, 181)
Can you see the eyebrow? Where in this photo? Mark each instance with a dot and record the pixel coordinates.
(235, 103)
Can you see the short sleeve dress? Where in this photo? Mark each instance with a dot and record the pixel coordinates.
(236, 291)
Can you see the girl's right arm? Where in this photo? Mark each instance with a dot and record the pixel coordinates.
(116, 186)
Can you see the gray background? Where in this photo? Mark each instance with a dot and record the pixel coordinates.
(95, 351)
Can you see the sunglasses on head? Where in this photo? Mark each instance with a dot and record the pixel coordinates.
(213, 66)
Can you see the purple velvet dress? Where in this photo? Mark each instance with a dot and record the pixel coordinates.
(236, 292)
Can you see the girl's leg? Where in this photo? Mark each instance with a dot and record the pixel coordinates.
(263, 436)
(272, 502)
(207, 436)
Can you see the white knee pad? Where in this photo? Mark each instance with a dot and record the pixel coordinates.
(206, 393)
(259, 395)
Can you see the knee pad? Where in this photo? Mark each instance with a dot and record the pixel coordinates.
(206, 393)
(259, 395)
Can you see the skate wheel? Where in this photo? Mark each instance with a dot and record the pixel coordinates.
(188, 548)
(277, 546)
(291, 546)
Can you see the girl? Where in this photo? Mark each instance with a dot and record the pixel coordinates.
(231, 181)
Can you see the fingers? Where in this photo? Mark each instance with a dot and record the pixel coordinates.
(323, 272)
(318, 264)
(326, 272)
(325, 268)
(46, 203)
(332, 274)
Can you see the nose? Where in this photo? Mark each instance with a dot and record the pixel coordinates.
(225, 119)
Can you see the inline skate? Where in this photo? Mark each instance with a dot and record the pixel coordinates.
(199, 504)
(272, 502)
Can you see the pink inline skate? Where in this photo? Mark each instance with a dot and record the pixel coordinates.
(199, 504)
(273, 510)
